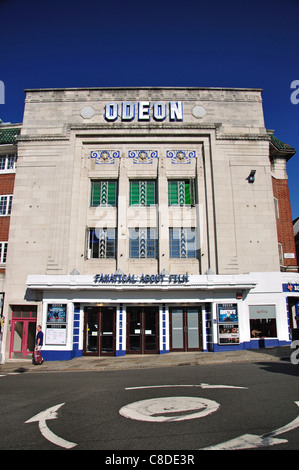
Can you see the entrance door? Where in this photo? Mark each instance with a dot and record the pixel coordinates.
(142, 330)
(99, 331)
(22, 338)
(185, 329)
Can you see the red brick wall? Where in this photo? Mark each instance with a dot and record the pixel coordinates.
(284, 223)
(7, 183)
(6, 187)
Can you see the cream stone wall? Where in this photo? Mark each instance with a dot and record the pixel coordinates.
(225, 127)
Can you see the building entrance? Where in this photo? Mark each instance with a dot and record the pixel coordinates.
(22, 338)
(23, 331)
(185, 329)
(142, 330)
(99, 331)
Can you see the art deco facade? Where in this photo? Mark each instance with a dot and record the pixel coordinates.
(149, 220)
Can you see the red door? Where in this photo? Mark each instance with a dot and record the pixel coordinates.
(22, 340)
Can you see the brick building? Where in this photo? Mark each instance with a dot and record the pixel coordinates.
(148, 220)
(8, 157)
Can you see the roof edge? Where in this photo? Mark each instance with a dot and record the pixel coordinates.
(142, 88)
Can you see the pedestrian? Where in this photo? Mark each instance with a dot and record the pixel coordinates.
(39, 338)
(37, 358)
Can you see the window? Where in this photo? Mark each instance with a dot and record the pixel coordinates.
(24, 311)
(5, 205)
(143, 243)
(3, 252)
(262, 321)
(181, 193)
(101, 243)
(103, 193)
(276, 206)
(280, 251)
(183, 243)
(142, 192)
(7, 163)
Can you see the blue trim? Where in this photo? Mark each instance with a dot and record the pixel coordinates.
(163, 350)
(253, 344)
(209, 327)
(61, 355)
(119, 352)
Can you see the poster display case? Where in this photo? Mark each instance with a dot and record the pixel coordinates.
(228, 324)
(56, 326)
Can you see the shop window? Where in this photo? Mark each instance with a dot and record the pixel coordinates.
(5, 205)
(262, 321)
(183, 243)
(143, 243)
(103, 193)
(101, 243)
(181, 193)
(142, 193)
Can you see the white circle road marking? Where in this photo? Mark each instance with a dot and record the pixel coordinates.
(169, 409)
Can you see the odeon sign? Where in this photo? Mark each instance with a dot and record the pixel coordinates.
(144, 110)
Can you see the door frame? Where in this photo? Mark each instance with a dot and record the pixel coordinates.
(100, 314)
(142, 329)
(24, 340)
(185, 328)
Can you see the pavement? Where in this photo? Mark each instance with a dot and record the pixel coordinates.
(133, 361)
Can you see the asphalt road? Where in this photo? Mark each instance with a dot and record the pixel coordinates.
(178, 409)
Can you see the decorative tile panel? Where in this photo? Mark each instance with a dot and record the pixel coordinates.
(104, 156)
(143, 156)
(181, 156)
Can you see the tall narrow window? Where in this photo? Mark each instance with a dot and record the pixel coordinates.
(142, 192)
(143, 243)
(101, 243)
(183, 243)
(103, 193)
(5, 205)
(3, 252)
(181, 193)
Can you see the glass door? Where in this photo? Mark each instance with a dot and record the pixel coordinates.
(91, 331)
(99, 331)
(22, 338)
(142, 330)
(185, 329)
(107, 333)
(134, 330)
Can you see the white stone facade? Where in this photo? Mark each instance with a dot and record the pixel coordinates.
(72, 137)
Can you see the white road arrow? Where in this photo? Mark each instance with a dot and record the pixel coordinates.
(44, 416)
(250, 441)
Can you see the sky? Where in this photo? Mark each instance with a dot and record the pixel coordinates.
(95, 43)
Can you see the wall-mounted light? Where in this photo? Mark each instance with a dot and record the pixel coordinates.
(251, 177)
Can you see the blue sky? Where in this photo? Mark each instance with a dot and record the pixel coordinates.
(66, 43)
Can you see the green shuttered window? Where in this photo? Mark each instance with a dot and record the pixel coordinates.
(142, 192)
(103, 193)
(181, 193)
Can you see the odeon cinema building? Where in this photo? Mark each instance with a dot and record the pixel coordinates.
(145, 221)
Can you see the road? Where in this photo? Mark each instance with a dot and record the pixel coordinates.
(187, 408)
